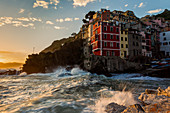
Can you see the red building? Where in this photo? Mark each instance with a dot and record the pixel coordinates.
(105, 39)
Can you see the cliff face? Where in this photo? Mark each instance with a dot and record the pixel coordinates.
(69, 54)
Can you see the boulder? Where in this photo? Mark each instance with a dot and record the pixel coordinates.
(161, 107)
(114, 108)
(136, 108)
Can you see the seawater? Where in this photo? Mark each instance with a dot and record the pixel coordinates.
(74, 91)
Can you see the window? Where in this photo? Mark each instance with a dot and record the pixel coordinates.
(136, 37)
(111, 29)
(169, 43)
(117, 29)
(113, 54)
(133, 43)
(111, 36)
(126, 46)
(105, 28)
(105, 44)
(105, 36)
(117, 44)
(137, 44)
(125, 32)
(125, 38)
(121, 45)
(121, 38)
(111, 44)
(117, 37)
(164, 38)
(163, 34)
(108, 53)
(121, 32)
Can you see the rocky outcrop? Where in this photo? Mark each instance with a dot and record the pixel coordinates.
(70, 54)
(152, 101)
(114, 108)
(136, 108)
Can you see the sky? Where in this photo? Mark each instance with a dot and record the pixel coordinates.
(28, 24)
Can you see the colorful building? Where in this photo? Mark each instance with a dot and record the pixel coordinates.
(123, 41)
(105, 40)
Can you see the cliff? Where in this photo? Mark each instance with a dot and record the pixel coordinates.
(70, 53)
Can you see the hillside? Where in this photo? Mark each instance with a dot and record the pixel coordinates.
(56, 45)
(165, 14)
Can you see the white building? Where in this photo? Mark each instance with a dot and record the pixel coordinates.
(165, 43)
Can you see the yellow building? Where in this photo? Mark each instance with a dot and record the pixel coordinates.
(124, 43)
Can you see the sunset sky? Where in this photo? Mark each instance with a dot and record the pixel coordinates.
(25, 24)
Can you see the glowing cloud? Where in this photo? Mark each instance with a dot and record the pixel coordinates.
(81, 2)
(141, 4)
(21, 11)
(49, 22)
(45, 4)
(76, 19)
(57, 27)
(155, 11)
(68, 19)
(126, 5)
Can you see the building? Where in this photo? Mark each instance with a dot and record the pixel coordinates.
(134, 42)
(105, 40)
(123, 41)
(165, 43)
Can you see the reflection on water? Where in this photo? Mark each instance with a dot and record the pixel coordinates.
(75, 91)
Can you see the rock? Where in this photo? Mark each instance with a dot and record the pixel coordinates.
(136, 108)
(150, 91)
(161, 107)
(114, 108)
(168, 91)
(148, 99)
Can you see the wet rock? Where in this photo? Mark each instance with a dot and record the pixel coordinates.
(165, 92)
(148, 99)
(161, 107)
(150, 91)
(136, 108)
(114, 108)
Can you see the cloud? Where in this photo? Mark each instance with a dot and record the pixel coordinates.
(126, 5)
(45, 4)
(76, 18)
(81, 2)
(68, 19)
(57, 27)
(59, 20)
(21, 11)
(23, 19)
(141, 4)
(49, 22)
(19, 22)
(1, 24)
(155, 11)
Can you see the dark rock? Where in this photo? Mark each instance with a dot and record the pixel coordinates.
(114, 108)
(136, 108)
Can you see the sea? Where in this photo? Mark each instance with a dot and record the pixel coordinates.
(73, 91)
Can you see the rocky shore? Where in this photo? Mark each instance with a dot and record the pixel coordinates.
(151, 101)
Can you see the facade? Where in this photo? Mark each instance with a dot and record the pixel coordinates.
(165, 43)
(123, 41)
(134, 42)
(105, 39)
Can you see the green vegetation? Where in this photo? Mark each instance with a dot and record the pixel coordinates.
(56, 45)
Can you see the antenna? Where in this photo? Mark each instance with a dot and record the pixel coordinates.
(33, 50)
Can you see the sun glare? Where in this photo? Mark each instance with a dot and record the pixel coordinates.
(2, 60)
